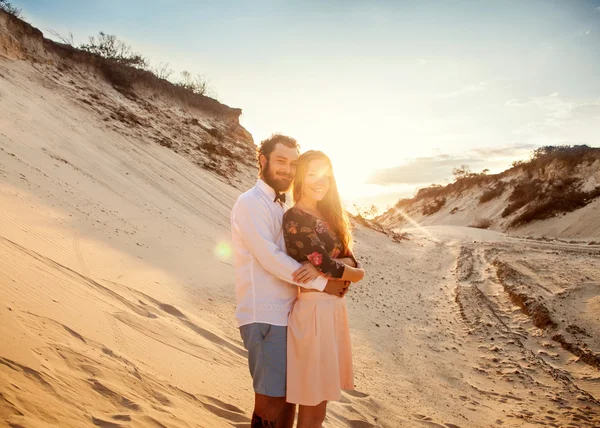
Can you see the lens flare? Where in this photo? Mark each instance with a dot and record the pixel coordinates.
(415, 224)
(223, 251)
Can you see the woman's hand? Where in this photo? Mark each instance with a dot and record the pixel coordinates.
(354, 271)
(306, 273)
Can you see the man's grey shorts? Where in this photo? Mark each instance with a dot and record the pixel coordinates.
(267, 357)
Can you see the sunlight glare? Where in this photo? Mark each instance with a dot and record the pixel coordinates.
(223, 251)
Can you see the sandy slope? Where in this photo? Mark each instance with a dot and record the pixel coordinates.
(458, 203)
(117, 300)
(465, 210)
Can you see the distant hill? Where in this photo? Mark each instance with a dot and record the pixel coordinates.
(555, 193)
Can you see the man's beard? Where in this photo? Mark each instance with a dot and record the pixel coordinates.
(279, 184)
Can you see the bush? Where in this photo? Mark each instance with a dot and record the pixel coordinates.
(464, 180)
(197, 84)
(429, 192)
(7, 7)
(162, 71)
(122, 66)
(120, 63)
(67, 40)
(521, 195)
(404, 203)
(557, 201)
(109, 47)
(569, 157)
(118, 75)
(493, 193)
(434, 206)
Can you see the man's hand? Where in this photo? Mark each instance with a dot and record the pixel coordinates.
(336, 288)
(306, 273)
(348, 283)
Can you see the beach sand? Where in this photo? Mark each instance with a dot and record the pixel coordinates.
(117, 296)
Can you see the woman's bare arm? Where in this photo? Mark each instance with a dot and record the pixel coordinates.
(347, 261)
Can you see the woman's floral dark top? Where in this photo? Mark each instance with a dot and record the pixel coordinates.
(308, 238)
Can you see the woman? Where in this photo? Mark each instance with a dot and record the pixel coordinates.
(317, 230)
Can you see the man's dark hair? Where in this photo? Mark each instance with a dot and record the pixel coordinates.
(267, 146)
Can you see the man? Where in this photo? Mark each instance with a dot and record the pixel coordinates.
(267, 279)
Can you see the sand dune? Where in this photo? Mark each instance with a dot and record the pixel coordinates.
(117, 299)
(553, 195)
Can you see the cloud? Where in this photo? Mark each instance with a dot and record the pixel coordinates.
(468, 89)
(436, 169)
(420, 170)
(554, 111)
(504, 152)
(590, 110)
(552, 104)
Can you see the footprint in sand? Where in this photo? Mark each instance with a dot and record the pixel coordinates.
(125, 418)
(345, 400)
(426, 420)
(105, 424)
(90, 370)
(154, 422)
(113, 396)
(224, 410)
(222, 404)
(162, 399)
(208, 335)
(365, 400)
(356, 394)
(74, 333)
(353, 423)
(171, 310)
(28, 371)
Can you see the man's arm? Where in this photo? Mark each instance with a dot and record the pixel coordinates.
(252, 222)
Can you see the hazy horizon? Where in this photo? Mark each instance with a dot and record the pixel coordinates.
(397, 93)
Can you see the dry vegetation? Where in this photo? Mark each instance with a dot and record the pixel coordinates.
(8, 7)
(434, 206)
(123, 67)
(176, 114)
(464, 179)
(495, 191)
(546, 185)
(556, 200)
(521, 195)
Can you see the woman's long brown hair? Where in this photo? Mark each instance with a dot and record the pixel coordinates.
(331, 205)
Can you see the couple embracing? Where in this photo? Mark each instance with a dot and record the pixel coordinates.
(292, 269)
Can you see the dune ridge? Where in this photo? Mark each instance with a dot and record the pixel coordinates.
(555, 194)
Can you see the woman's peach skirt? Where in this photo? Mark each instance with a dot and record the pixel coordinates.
(319, 355)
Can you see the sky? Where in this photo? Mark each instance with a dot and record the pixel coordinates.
(397, 93)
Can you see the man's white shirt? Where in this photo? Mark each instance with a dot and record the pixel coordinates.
(265, 291)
